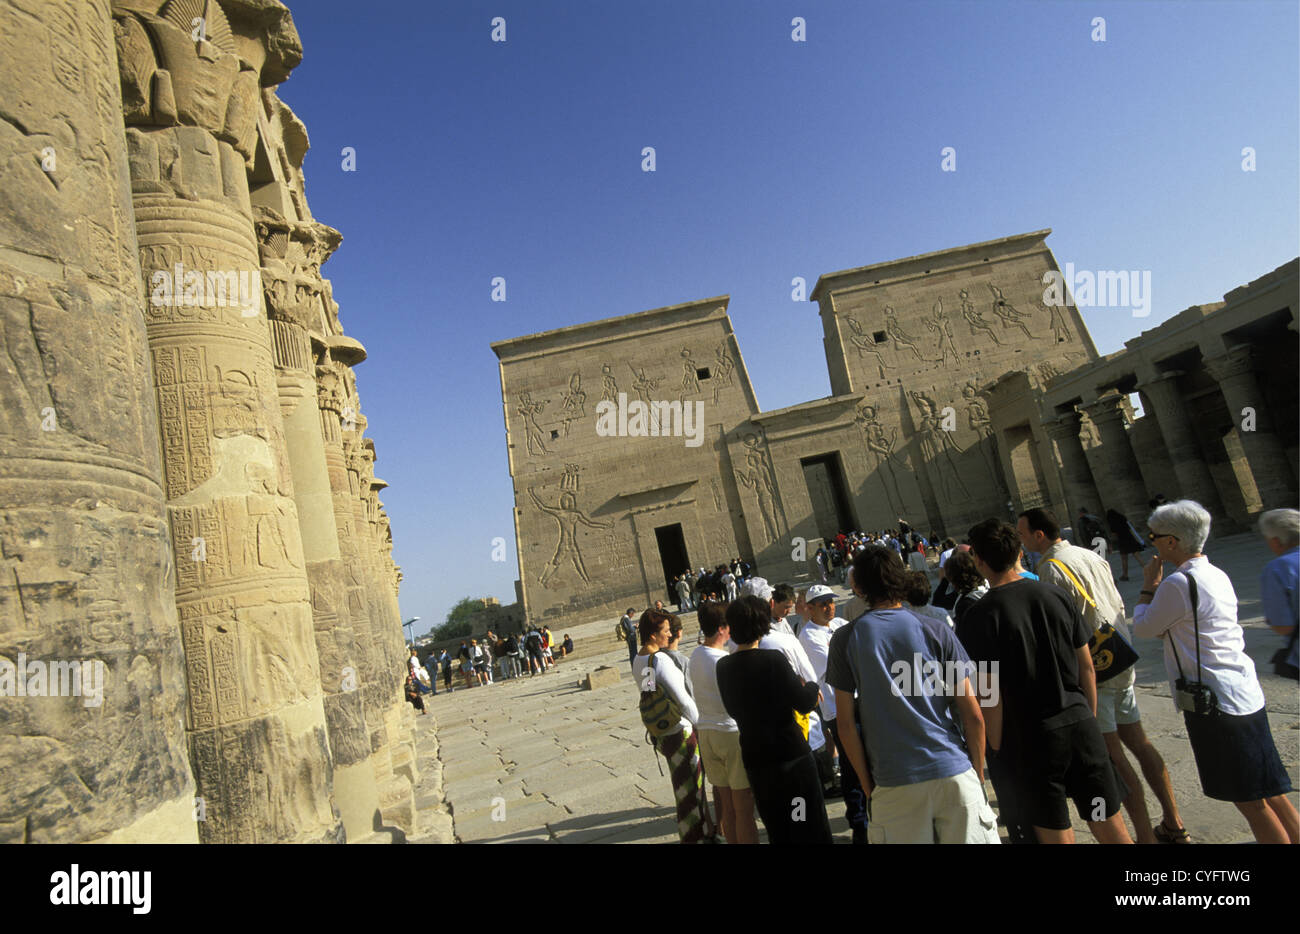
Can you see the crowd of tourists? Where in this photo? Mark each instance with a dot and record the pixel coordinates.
(534, 651)
(691, 588)
(1026, 675)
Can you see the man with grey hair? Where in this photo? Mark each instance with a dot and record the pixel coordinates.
(1278, 586)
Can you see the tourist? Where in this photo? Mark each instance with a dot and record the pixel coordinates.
(1087, 579)
(420, 673)
(818, 608)
(967, 586)
(672, 649)
(466, 663)
(917, 598)
(761, 692)
(924, 785)
(1042, 724)
(521, 653)
(627, 631)
(821, 558)
(1194, 611)
(510, 657)
(782, 602)
(719, 736)
(533, 645)
(729, 584)
(1089, 529)
(480, 660)
(566, 647)
(1279, 583)
(683, 594)
(660, 681)
(1127, 540)
(413, 694)
(444, 660)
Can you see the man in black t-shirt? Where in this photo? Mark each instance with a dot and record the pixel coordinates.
(1041, 718)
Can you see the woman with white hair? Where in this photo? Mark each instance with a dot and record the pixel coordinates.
(1194, 611)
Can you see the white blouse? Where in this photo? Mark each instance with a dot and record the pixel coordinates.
(1225, 666)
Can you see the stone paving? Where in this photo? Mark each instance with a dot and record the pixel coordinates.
(541, 759)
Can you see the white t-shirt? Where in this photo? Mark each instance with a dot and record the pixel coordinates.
(945, 555)
(816, 641)
(650, 669)
(703, 670)
(780, 625)
(1225, 666)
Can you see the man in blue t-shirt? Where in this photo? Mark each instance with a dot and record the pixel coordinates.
(1280, 583)
(912, 678)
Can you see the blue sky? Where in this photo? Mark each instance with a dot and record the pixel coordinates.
(774, 159)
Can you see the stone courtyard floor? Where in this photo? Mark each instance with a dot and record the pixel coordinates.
(540, 759)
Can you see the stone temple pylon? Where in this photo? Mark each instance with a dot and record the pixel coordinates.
(192, 100)
(86, 572)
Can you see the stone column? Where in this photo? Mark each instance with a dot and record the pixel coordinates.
(1076, 475)
(291, 257)
(1166, 399)
(258, 739)
(96, 753)
(1121, 484)
(1235, 374)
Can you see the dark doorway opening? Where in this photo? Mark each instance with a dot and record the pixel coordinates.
(672, 555)
(824, 476)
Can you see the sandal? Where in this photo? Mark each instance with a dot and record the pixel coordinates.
(1165, 835)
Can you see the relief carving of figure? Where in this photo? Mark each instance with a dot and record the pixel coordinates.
(939, 322)
(690, 378)
(977, 416)
(644, 386)
(1010, 316)
(897, 334)
(532, 431)
(865, 343)
(567, 516)
(722, 378)
(975, 318)
(759, 477)
(882, 448)
(574, 402)
(608, 386)
(937, 446)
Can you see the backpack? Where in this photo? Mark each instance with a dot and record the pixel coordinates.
(659, 712)
(534, 641)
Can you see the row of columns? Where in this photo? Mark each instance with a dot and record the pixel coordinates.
(1121, 481)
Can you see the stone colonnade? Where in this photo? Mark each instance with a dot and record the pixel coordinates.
(1263, 471)
(188, 494)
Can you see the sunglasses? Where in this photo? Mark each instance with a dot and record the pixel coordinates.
(1152, 536)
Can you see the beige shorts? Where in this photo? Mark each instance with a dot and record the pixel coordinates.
(720, 753)
(1117, 703)
(942, 810)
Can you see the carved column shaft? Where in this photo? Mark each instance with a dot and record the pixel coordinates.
(1076, 475)
(258, 737)
(94, 752)
(1121, 482)
(1235, 374)
(1166, 398)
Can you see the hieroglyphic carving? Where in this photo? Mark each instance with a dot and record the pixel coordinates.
(975, 318)
(977, 416)
(937, 446)
(608, 385)
(759, 477)
(574, 402)
(1011, 317)
(567, 516)
(722, 378)
(865, 343)
(882, 451)
(529, 410)
(938, 321)
(898, 335)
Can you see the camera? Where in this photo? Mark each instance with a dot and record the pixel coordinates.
(1195, 697)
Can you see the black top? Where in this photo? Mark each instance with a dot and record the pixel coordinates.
(761, 692)
(1032, 630)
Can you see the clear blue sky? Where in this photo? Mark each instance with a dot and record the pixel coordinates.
(775, 159)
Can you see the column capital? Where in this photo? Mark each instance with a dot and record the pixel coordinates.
(1109, 407)
(1236, 362)
(1064, 425)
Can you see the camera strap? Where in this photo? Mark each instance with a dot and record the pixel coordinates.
(1196, 628)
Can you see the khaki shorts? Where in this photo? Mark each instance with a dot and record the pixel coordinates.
(1117, 704)
(720, 753)
(941, 810)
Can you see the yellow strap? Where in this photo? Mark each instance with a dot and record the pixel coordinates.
(1073, 580)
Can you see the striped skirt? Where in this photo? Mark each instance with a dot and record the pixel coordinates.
(682, 750)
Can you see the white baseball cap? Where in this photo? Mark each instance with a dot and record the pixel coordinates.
(819, 592)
